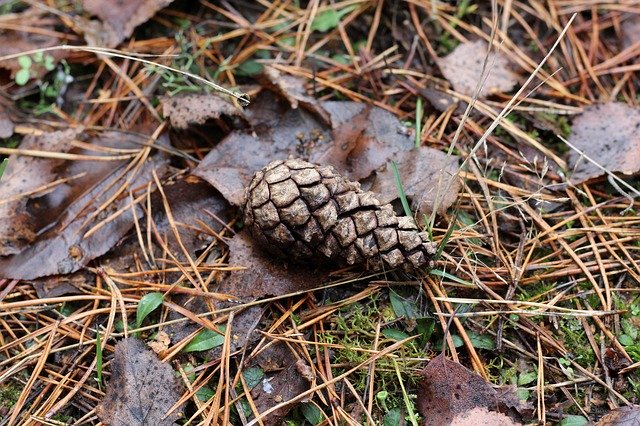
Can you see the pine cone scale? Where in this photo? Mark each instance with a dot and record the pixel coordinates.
(306, 212)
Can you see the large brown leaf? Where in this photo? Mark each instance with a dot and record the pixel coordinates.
(608, 134)
(141, 390)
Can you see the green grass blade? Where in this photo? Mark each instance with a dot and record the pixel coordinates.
(403, 196)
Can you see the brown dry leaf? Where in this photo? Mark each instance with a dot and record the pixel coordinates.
(623, 416)
(448, 390)
(141, 390)
(265, 275)
(15, 42)
(480, 416)
(608, 134)
(196, 108)
(118, 19)
(428, 177)
(23, 175)
(292, 89)
(463, 69)
(6, 125)
(630, 30)
(63, 248)
(363, 139)
(282, 382)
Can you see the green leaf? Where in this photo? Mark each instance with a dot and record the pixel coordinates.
(98, 360)
(25, 62)
(3, 166)
(205, 393)
(148, 304)
(574, 420)
(523, 394)
(329, 19)
(625, 340)
(311, 413)
(392, 418)
(392, 333)
(22, 76)
(425, 327)
(403, 196)
(206, 339)
(37, 57)
(249, 68)
(49, 63)
(402, 307)
(526, 378)
(481, 341)
(629, 329)
(443, 274)
(253, 376)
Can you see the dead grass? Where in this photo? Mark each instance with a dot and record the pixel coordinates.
(548, 272)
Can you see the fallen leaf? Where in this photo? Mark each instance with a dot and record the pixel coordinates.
(608, 134)
(141, 390)
(15, 42)
(292, 89)
(59, 285)
(119, 19)
(23, 175)
(363, 139)
(623, 416)
(282, 382)
(464, 69)
(265, 275)
(429, 178)
(480, 416)
(360, 140)
(196, 108)
(630, 29)
(63, 248)
(449, 390)
(6, 125)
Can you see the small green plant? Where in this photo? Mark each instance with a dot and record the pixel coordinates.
(31, 65)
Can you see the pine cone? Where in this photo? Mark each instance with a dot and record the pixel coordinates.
(304, 212)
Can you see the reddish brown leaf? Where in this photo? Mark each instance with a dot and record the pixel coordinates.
(623, 416)
(608, 134)
(480, 416)
(197, 108)
(630, 30)
(449, 390)
(119, 19)
(23, 175)
(363, 139)
(428, 176)
(141, 390)
(463, 68)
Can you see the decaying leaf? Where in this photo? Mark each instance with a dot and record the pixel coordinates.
(480, 416)
(292, 89)
(16, 42)
(23, 176)
(429, 178)
(464, 69)
(281, 382)
(118, 19)
(623, 416)
(363, 139)
(70, 211)
(449, 390)
(141, 390)
(6, 125)
(630, 30)
(264, 275)
(196, 108)
(608, 134)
